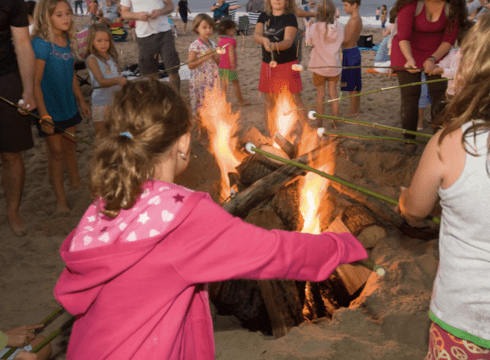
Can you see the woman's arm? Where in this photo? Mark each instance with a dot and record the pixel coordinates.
(235, 7)
(127, 14)
(289, 36)
(26, 61)
(406, 50)
(442, 50)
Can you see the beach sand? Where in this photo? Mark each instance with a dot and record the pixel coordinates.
(388, 321)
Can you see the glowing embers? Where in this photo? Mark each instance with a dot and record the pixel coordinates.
(221, 123)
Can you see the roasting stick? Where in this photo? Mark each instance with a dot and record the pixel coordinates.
(322, 132)
(44, 321)
(44, 121)
(219, 50)
(287, 112)
(312, 115)
(250, 147)
(355, 67)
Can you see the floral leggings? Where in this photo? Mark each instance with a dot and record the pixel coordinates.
(445, 346)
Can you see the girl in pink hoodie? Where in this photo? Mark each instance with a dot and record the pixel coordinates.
(138, 262)
(326, 36)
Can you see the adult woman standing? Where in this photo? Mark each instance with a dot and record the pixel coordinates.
(426, 31)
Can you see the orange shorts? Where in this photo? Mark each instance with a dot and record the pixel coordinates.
(319, 80)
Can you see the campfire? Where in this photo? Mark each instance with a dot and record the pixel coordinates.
(272, 195)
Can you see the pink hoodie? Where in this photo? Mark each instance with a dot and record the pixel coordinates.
(141, 296)
(325, 52)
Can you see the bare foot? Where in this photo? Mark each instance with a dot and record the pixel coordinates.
(17, 225)
(62, 209)
(245, 103)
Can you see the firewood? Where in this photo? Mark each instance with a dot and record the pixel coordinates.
(268, 186)
(253, 135)
(285, 145)
(353, 277)
(363, 225)
(255, 167)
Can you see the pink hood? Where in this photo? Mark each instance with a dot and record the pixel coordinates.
(138, 296)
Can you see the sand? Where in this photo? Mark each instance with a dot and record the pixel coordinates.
(388, 321)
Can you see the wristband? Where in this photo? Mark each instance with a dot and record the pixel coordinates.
(45, 117)
(433, 58)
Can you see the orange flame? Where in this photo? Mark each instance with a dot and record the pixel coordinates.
(222, 124)
(280, 122)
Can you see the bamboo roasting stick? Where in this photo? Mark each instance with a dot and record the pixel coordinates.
(45, 121)
(250, 147)
(287, 112)
(176, 66)
(362, 67)
(312, 114)
(370, 137)
(44, 321)
(53, 335)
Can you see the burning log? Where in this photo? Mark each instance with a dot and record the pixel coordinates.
(353, 277)
(285, 204)
(268, 186)
(285, 145)
(363, 225)
(255, 167)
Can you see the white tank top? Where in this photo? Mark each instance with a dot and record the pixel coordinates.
(461, 293)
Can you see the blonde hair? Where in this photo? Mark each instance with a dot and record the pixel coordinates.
(91, 50)
(290, 7)
(156, 116)
(43, 27)
(199, 19)
(472, 98)
(326, 14)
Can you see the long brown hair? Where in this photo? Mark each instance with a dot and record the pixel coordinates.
(43, 27)
(91, 50)
(325, 13)
(155, 116)
(472, 98)
(457, 12)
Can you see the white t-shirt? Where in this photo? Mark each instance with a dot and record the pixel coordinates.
(152, 26)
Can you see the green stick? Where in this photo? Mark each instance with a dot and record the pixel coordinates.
(333, 178)
(172, 68)
(44, 121)
(46, 341)
(370, 92)
(365, 123)
(378, 269)
(362, 67)
(373, 137)
(44, 321)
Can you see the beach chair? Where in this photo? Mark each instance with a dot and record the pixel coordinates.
(243, 23)
(232, 13)
(80, 64)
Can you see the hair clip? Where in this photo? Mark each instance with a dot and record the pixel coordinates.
(127, 134)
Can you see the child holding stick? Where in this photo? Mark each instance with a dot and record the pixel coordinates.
(455, 168)
(56, 91)
(146, 247)
(228, 61)
(204, 71)
(326, 37)
(276, 31)
(351, 56)
(24, 339)
(103, 68)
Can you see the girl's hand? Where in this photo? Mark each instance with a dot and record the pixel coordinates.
(411, 64)
(429, 65)
(266, 43)
(21, 336)
(437, 71)
(24, 355)
(121, 80)
(310, 22)
(155, 13)
(85, 109)
(45, 125)
(216, 57)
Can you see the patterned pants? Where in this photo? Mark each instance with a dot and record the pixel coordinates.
(445, 346)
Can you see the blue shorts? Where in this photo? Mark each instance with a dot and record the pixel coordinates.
(424, 94)
(65, 124)
(27, 348)
(351, 78)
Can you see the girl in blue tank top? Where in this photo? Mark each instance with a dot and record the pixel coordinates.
(455, 168)
(104, 72)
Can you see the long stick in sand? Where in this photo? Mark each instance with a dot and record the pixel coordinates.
(312, 115)
(322, 132)
(287, 112)
(45, 121)
(218, 50)
(250, 147)
(44, 321)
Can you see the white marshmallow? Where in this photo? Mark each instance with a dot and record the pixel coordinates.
(249, 147)
(311, 115)
(321, 131)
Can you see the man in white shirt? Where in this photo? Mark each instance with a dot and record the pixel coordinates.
(153, 35)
